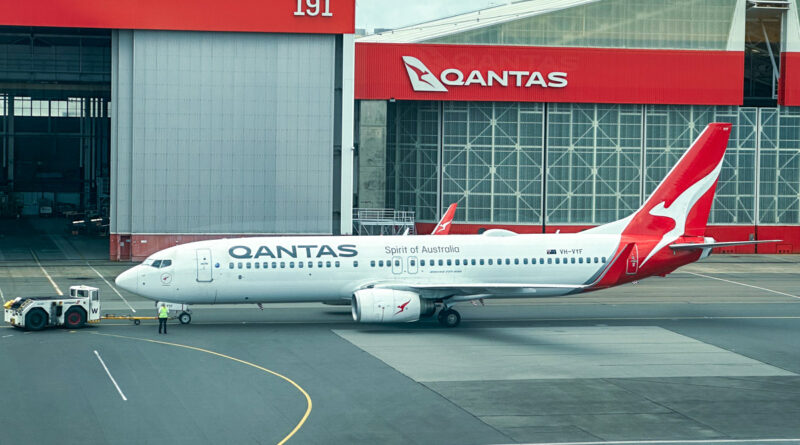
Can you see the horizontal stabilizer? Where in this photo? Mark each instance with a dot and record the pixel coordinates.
(690, 246)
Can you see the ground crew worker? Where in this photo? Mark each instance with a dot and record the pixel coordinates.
(163, 315)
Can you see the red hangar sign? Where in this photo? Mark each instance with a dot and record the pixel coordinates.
(284, 16)
(546, 74)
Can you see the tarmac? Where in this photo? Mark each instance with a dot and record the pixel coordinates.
(709, 354)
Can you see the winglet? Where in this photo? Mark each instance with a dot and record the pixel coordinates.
(443, 228)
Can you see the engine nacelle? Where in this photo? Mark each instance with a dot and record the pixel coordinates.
(388, 305)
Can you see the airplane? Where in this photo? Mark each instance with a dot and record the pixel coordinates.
(443, 227)
(406, 278)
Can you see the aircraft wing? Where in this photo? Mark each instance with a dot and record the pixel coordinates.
(478, 288)
(690, 246)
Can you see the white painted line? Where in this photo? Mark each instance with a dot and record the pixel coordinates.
(55, 286)
(3, 297)
(633, 442)
(743, 284)
(9, 335)
(110, 376)
(111, 286)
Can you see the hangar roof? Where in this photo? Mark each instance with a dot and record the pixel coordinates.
(657, 24)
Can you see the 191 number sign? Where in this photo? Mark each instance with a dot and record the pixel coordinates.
(314, 8)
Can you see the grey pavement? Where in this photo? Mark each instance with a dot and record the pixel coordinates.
(687, 357)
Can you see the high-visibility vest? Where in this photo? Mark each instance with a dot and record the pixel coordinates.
(163, 312)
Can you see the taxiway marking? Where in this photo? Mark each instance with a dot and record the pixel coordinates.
(743, 284)
(112, 287)
(111, 377)
(3, 297)
(261, 368)
(654, 442)
(55, 286)
(9, 335)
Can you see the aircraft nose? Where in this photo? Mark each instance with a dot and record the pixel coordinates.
(128, 280)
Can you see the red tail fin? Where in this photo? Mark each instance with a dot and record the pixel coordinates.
(443, 228)
(681, 203)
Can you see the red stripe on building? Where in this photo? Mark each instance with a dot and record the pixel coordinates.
(789, 80)
(286, 16)
(594, 75)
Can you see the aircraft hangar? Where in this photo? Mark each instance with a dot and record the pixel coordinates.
(172, 121)
(560, 115)
(168, 122)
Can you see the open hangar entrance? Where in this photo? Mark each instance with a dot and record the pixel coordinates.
(55, 89)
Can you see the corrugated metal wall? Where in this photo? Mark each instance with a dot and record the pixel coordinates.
(222, 132)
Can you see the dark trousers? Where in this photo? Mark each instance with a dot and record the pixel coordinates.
(162, 322)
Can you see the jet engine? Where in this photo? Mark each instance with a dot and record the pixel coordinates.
(388, 305)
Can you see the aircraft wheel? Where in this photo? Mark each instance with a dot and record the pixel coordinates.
(185, 318)
(449, 318)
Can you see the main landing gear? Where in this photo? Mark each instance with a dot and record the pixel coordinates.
(449, 317)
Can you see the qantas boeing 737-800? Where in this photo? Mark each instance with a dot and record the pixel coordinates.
(405, 278)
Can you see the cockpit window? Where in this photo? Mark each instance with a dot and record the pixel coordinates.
(156, 264)
(166, 263)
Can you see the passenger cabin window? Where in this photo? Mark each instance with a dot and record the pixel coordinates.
(412, 262)
(239, 265)
(291, 264)
(572, 260)
(524, 261)
(473, 261)
(355, 263)
(274, 265)
(449, 262)
(541, 260)
(299, 264)
(327, 264)
(265, 264)
(230, 265)
(441, 262)
(595, 259)
(458, 262)
(283, 265)
(336, 264)
(372, 263)
(396, 263)
(481, 262)
(249, 265)
(319, 264)
(380, 263)
(491, 262)
(310, 264)
(603, 259)
(257, 265)
(516, 261)
(550, 261)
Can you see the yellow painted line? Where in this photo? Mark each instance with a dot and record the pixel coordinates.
(194, 348)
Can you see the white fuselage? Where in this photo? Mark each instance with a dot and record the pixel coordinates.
(332, 268)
